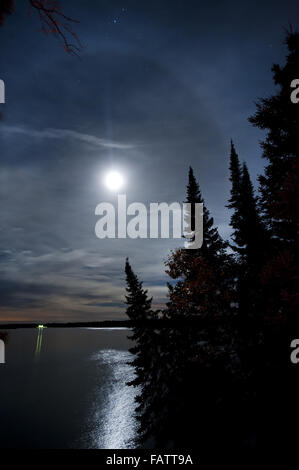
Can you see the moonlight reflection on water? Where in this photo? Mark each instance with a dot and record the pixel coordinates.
(66, 388)
(114, 422)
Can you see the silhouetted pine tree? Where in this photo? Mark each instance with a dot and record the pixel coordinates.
(198, 357)
(203, 275)
(250, 240)
(279, 116)
(138, 303)
(279, 187)
(145, 349)
(212, 242)
(188, 374)
(235, 179)
(280, 276)
(249, 233)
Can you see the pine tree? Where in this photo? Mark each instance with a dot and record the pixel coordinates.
(279, 279)
(279, 187)
(202, 292)
(139, 311)
(252, 233)
(235, 179)
(212, 243)
(249, 233)
(249, 237)
(184, 371)
(138, 303)
(279, 116)
(145, 349)
(199, 271)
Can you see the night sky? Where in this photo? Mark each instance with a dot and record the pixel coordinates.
(159, 86)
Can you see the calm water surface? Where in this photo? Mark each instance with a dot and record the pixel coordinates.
(66, 388)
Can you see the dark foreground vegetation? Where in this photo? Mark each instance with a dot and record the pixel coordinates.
(224, 381)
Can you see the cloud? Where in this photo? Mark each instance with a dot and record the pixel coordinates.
(51, 133)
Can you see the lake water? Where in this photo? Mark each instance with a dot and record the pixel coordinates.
(66, 388)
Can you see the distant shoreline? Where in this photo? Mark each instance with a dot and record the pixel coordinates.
(102, 324)
(157, 323)
(192, 321)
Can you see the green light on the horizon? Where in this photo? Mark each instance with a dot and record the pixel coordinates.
(39, 340)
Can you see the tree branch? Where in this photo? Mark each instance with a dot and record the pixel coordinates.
(54, 21)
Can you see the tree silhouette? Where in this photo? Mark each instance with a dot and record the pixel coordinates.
(138, 303)
(279, 187)
(250, 238)
(139, 311)
(279, 116)
(203, 281)
(280, 277)
(249, 233)
(202, 293)
(52, 19)
(191, 373)
(235, 179)
(203, 365)
(212, 243)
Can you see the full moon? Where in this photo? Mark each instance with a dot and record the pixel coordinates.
(114, 180)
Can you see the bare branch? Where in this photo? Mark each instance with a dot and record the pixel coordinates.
(54, 21)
